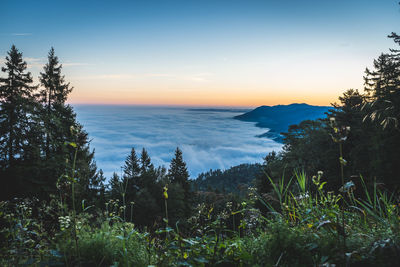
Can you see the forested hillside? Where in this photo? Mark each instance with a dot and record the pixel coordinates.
(278, 118)
(232, 180)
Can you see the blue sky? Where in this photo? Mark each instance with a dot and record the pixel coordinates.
(203, 52)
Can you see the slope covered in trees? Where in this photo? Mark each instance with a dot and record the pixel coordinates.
(278, 118)
(232, 180)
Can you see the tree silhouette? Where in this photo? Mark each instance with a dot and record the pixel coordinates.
(53, 94)
(16, 101)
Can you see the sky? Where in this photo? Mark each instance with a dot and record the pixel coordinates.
(205, 53)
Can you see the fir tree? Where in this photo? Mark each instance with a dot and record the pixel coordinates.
(58, 119)
(19, 137)
(16, 101)
(178, 172)
(131, 178)
(114, 187)
(132, 168)
(382, 85)
(145, 162)
(180, 200)
(101, 179)
(53, 94)
(101, 190)
(382, 107)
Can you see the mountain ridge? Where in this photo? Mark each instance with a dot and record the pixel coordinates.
(279, 117)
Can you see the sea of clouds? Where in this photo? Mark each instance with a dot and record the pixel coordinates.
(208, 138)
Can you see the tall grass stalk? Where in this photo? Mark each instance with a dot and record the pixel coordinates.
(132, 203)
(73, 181)
(342, 163)
(165, 195)
(301, 178)
(339, 136)
(379, 205)
(281, 191)
(123, 186)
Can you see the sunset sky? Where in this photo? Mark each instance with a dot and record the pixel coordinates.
(211, 53)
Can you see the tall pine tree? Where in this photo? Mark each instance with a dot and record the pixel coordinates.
(145, 162)
(58, 118)
(178, 172)
(180, 199)
(382, 85)
(131, 178)
(53, 94)
(114, 187)
(131, 167)
(17, 123)
(15, 105)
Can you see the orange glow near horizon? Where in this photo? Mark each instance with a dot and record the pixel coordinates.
(204, 99)
(197, 95)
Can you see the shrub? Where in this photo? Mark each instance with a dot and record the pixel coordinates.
(118, 244)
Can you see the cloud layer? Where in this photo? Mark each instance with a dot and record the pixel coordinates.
(209, 139)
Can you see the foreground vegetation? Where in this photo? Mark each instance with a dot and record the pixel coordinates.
(305, 226)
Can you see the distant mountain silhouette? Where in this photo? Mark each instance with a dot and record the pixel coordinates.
(278, 118)
(219, 109)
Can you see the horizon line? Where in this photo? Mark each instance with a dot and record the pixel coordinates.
(185, 105)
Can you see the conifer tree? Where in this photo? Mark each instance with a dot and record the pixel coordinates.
(19, 137)
(58, 119)
(180, 200)
(382, 107)
(131, 167)
(53, 94)
(131, 178)
(382, 85)
(178, 172)
(16, 101)
(99, 188)
(114, 187)
(145, 162)
(148, 200)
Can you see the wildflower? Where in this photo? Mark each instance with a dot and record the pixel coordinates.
(65, 222)
(224, 215)
(303, 196)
